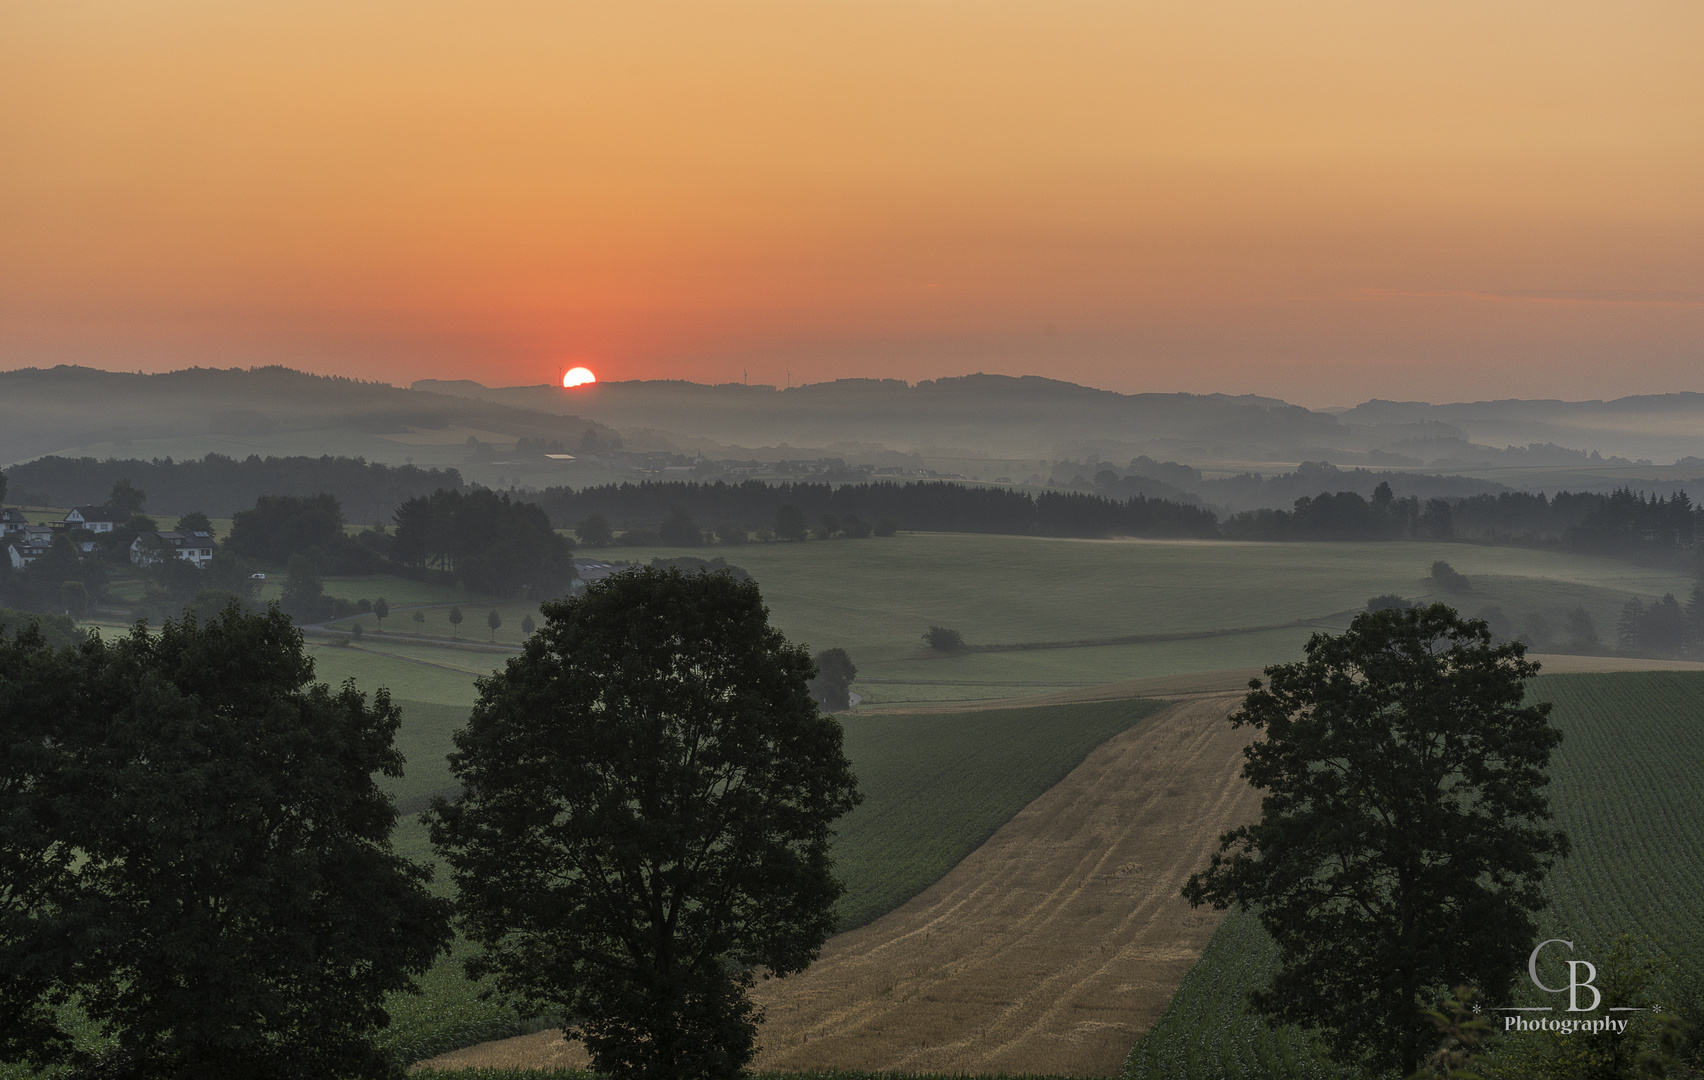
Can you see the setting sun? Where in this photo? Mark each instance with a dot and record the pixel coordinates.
(579, 377)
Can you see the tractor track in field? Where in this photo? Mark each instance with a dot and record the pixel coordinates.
(1049, 949)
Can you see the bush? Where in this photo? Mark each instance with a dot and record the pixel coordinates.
(887, 526)
(1448, 579)
(944, 640)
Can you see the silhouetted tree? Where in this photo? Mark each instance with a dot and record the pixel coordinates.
(381, 609)
(832, 686)
(1402, 844)
(595, 530)
(494, 621)
(126, 498)
(630, 849)
(680, 530)
(196, 852)
(455, 620)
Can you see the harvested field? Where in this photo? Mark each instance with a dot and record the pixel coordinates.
(1050, 949)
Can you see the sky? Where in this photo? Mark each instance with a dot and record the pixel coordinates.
(1315, 200)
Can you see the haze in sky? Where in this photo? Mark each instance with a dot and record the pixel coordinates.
(1317, 200)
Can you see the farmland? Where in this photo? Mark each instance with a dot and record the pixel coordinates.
(1038, 613)
(935, 787)
(1042, 617)
(1622, 788)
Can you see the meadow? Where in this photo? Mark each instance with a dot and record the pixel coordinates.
(1624, 789)
(1040, 613)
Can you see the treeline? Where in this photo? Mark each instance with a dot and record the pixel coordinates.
(221, 485)
(930, 507)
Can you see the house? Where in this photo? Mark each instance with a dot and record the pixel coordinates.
(28, 544)
(193, 547)
(11, 521)
(93, 518)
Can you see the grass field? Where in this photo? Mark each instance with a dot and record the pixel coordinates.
(875, 598)
(1624, 788)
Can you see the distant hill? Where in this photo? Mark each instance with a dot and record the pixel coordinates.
(234, 411)
(1047, 418)
(1025, 416)
(1661, 427)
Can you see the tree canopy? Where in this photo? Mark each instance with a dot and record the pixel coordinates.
(193, 845)
(649, 795)
(1402, 838)
(489, 541)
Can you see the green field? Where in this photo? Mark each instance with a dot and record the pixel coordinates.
(875, 598)
(1624, 788)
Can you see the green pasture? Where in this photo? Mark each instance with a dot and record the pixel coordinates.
(876, 597)
(1624, 788)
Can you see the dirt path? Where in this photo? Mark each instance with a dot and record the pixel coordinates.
(1049, 949)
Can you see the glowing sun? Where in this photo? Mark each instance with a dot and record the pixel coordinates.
(579, 377)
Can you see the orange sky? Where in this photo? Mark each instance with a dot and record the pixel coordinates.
(1316, 200)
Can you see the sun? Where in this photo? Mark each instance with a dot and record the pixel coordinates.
(579, 377)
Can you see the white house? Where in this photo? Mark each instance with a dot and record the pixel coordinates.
(194, 547)
(93, 518)
(11, 521)
(28, 544)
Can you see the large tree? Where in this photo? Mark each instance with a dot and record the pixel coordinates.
(1402, 838)
(649, 798)
(193, 847)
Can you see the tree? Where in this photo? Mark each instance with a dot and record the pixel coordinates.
(455, 620)
(195, 521)
(887, 526)
(75, 596)
(493, 621)
(528, 625)
(832, 686)
(420, 616)
(1402, 842)
(126, 498)
(649, 795)
(790, 522)
(679, 529)
(280, 526)
(1386, 600)
(196, 850)
(941, 639)
(595, 531)
(1582, 632)
(303, 595)
(1630, 629)
(731, 532)
(381, 610)
(492, 543)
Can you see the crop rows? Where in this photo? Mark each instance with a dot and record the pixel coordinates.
(1623, 788)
